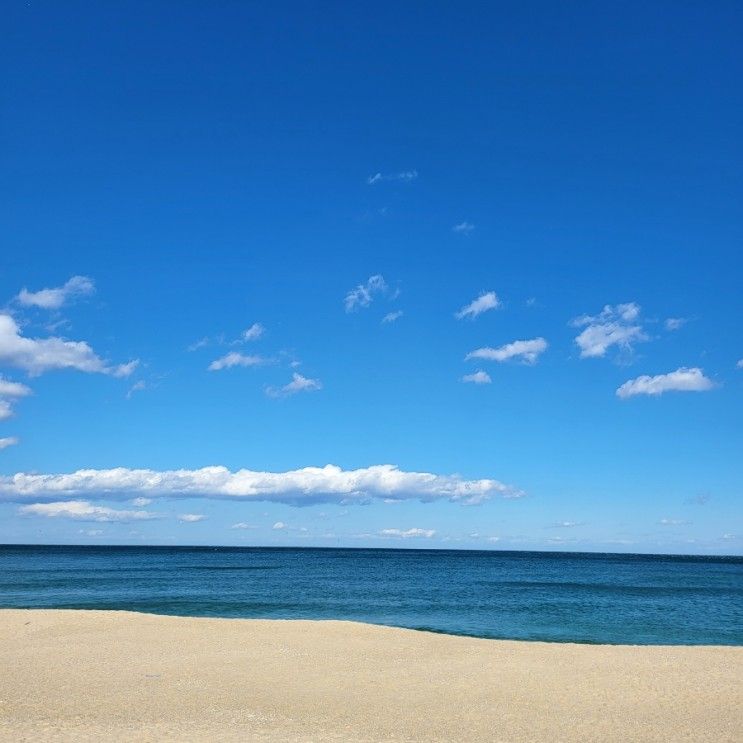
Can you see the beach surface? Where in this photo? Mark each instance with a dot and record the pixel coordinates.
(102, 675)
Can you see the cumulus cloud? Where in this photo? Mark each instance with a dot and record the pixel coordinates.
(616, 325)
(479, 377)
(408, 533)
(363, 295)
(392, 316)
(405, 175)
(739, 365)
(83, 510)
(278, 526)
(254, 332)
(234, 358)
(242, 525)
(682, 380)
(298, 384)
(5, 410)
(53, 299)
(525, 351)
(7, 441)
(39, 355)
(13, 389)
(191, 518)
(463, 228)
(296, 487)
(485, 302)
(674, 323)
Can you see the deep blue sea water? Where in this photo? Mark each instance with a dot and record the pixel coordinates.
(578, 597)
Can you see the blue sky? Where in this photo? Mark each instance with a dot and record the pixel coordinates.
(496, 245)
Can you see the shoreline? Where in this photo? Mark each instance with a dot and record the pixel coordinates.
(69, 674)
(425, 630)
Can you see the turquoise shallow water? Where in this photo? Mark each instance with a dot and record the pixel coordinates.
(578, 597)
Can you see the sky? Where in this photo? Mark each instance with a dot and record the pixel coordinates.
(418, 275)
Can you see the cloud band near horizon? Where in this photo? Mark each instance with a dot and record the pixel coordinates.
(304, 486)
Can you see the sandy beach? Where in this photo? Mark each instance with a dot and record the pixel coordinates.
(94, 675)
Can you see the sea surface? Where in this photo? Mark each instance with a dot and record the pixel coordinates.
(575, 597)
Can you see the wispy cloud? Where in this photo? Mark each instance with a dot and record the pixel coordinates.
(739, 365)
(392, 316)
(673, 522)
(136, 387)
(404, 175)
(296, 487)
(7, 441)
(278, 526)
(616, 325)
(408, 533)
(298, 384)
(53, 299)
(82, 510)
(485, 302)
(243, 525)
(675, 323)
(682, 380)
(525, 351)
(254, 332)
(478, 377)
(235, 358)
(363, 295)
(191, 518)
(567, 524)
(463, 228)
(39, 355)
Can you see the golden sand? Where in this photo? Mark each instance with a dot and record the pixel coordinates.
(97, 675)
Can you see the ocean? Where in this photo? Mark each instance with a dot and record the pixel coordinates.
(555, 597)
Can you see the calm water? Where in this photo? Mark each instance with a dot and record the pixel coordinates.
(522, 595)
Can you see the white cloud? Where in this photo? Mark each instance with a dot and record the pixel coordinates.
(567, 524)
(392, 316)
(243, 525)
(616, 325)
(739, 365)
(234, 358)
(278, 526)
(139, 502)
(526, 351)
(91, 532)
(672, 522)
(296, 487)
(363, 294)
(82, 510)
(53, 299)
(136, 387)
(203, 343)
(298, 384)
(408, 533)
(7, 441)
(405, 175)
(13, 389)
(682, 380)
(254, 332)
(485, 302)
(675, 323)
(463, 228)
(191, 518)
(39, 355)
(479, 377)
(5, 410)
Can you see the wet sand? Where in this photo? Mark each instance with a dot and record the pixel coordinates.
(97, 675)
